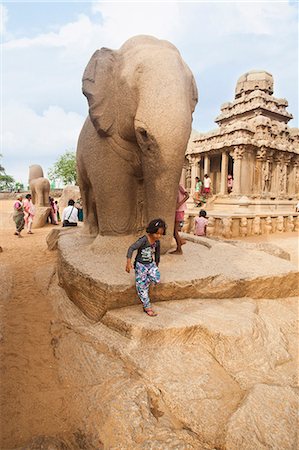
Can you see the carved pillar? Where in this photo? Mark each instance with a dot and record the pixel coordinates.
(193, 160)
(296, 164)
(278, 180)
(287, 161)
(293, 177)
(282, 175)
(237, 154)
(266, 158)
(188, 173)
(206, 165)
(260, 158)
(224, 173)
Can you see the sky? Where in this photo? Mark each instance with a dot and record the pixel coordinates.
(45, 47)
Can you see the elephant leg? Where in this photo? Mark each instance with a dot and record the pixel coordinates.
(89, 206)
(90, 212)
(117, 200)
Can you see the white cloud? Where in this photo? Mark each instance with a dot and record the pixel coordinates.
(219, 41)
(3, 18)
(30, 138)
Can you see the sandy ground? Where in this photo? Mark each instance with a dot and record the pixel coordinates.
(32, 400)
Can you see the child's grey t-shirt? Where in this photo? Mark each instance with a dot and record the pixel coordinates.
(145, 251)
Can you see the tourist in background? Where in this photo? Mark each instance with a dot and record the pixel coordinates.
(18, 215)
(53, 212)
(70, 215)
(179, 218)
(147, 261)
(29, 213)
(57, 210)
(206, 185)
(79, 207)
(198, 191)
(201, 223)
(230, 182)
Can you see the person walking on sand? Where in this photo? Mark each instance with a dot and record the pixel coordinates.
(147, 262)
(179, 217)
(18, 215)
(29, 212)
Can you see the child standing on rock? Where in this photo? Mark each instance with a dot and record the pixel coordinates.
(147, 261)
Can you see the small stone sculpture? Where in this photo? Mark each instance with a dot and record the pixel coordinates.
(227, 227)
(39, 186)
(256, 225)
(290, 224)
(279, 224)
(211, 226)
(268, 225)
(243, 227)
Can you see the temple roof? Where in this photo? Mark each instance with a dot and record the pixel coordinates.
(254, 118)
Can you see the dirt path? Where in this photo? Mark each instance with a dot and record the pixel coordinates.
(32, 401)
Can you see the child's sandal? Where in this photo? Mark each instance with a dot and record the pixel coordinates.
(150, 312)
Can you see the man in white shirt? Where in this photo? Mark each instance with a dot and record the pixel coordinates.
(206, 185)
(70, 215)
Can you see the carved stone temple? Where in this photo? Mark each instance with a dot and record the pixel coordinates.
(256, 146)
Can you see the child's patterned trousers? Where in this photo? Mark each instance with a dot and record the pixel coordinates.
(145, 275)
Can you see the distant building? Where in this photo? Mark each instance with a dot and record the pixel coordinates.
(255, 145)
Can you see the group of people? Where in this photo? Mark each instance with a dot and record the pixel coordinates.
(23, 214)
(202, 190)
(24, 211)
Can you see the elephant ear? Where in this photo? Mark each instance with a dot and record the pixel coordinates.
(98, 87)
(194, 93)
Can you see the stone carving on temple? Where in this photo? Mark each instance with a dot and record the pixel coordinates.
(254, 144)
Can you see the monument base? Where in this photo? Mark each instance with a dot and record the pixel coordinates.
(97, 282)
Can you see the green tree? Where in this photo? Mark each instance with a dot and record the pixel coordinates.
(6, 181)
(64, 169)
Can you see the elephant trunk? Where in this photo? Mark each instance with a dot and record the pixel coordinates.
(162, 157)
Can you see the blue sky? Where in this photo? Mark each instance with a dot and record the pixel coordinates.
(45, 47)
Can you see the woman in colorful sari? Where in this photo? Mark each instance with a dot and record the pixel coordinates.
(29, 212)
(18, 215)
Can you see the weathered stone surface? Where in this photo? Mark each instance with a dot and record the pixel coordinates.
(266, 419)
(39, 186)
(69, 193)
(173, 381)
(41, 216)
(98, 282)
(55, 233)
(108, 155)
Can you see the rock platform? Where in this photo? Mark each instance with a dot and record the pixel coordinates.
(93, 273)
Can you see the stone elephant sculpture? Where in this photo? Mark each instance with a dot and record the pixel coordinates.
(131, 149)
(39, 186)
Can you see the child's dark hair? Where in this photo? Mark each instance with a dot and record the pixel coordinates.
(202, 213)
(154, 226)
